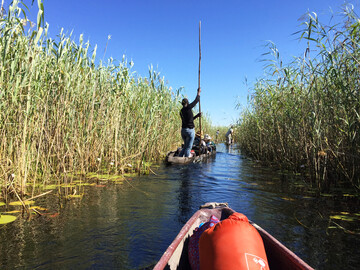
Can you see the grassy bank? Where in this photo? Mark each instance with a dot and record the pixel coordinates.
(305, 116)
(61, 111)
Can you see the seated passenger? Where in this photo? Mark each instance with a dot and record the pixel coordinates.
(199, 145)
(209, 144)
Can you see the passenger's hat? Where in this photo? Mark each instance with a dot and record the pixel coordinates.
(207, 137)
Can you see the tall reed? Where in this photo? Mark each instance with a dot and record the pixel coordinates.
(61, 111)
(306, 115)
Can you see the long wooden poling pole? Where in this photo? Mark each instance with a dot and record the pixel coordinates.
(199, 73)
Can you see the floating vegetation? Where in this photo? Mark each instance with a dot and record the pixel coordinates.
(155, 166)
(346, 217)
(78, 181)
(131, 175)
(77, 196)
(39, 208)
(33, 185)
(13, 212)
(349, 195)
(19, 203)
(338, 226)
(5, 219)
(119, 182)
(288, 199)
(105, 177)
(73, 175)
(326, 195)
(253, 184)
(48, 187)
(68, 185)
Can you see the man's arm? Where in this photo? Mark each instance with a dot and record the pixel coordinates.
(196, 116)
(197, 99)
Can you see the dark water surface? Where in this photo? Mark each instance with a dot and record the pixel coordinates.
(129, 226)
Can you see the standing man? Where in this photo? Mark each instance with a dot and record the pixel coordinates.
(217, 135)
(187, 128)
(229, 135)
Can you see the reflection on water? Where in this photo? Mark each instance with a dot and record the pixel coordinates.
(129, 226)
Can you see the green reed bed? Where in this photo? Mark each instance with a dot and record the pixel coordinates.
(61, 112)
(306, 116)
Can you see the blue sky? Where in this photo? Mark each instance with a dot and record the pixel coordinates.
(164, 33)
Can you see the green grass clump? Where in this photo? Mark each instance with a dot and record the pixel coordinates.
(306, 115)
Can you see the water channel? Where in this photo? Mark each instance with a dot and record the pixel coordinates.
(129, 226)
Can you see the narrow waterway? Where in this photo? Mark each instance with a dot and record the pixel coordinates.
(129, 226)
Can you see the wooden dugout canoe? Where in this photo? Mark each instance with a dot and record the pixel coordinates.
(172, 159)
(176, 256)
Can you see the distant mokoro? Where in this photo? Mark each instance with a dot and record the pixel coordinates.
(172, 159)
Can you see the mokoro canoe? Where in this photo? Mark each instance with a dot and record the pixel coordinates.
(176, 256)
(171, 159)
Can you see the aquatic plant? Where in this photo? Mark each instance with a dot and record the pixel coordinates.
(306, 115)
(4, 219)
(62, 110)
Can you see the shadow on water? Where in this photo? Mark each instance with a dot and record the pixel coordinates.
(129, 226)
(184, 196)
